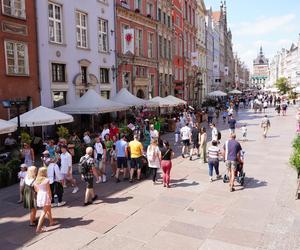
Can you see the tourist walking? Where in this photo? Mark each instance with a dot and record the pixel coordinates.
(203, 144)
(100, 158)
(21, 176)
(154, 158)
(122, 154)
(42, 187)
(154, 134)
(213, 160)
(107, 159)
(28, 154)
(231, 155)
(231, 123)
(67, 169)
(265, 124)
(166, 162)
(177, 131)
(284, 108)
(136, 153)
(185, 133)
(195, 141)
(29, 194)
(278, 109)
(87, 169)
(214, 132)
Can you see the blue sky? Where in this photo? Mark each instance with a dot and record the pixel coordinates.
(274, 24)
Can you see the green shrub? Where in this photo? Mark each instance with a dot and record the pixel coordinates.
(14, 168)
(296, 143)
(26, 138)
(4, 176)
(295, 157)
(63, 132)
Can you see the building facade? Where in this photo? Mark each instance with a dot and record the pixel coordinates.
(165, 47)
(209, 50)
(178, 60)
(136, 45)
(76, 49)
(18, 63)
(260, 70)
(242, 75)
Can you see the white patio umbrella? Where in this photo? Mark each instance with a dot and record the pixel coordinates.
(176, 100)
(217, 93)
(42, 116)
(296, 90)
(164, 103)
(7, 127)
(126, 98)
(235, 92)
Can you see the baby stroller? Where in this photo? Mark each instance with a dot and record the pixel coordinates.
(239, 174)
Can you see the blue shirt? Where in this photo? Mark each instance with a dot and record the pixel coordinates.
(121, 148)
(232, 150)
(232, 123)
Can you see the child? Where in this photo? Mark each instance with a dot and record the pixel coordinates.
(21, 175)
(244, 132)
(225, 114)
(42, 187)
(113, 157)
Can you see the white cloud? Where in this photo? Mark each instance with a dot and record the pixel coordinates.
(265, 25)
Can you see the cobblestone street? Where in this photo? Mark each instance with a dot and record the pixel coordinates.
(192, 214)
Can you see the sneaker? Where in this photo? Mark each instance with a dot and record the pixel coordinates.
(117, 180)
(75, 190)
(219, 176)
(99, 180)
(104, 178)
(211, 179)
(198, 156)
(191, 158)
(87, 203)
(60, 204)
(130, 180)
(182, 155)
(95, 198)
(232, 189)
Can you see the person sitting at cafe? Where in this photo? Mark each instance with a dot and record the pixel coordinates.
(10, 141)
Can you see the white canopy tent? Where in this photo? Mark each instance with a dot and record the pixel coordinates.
(217, 93)
(164, 103)
(296, 90)
(126, 98)
(176, 100)
(92, 103)
(235, 92)
(42, 116)
(7, 127)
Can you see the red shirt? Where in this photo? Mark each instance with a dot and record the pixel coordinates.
(113, 132)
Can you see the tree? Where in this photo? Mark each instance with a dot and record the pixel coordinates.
(283, 85)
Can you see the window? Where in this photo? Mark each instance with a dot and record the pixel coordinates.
(105, 94)
(84, 74)
(15, 8)
(59, 98)
(16, 58)
(150, 45)
(159, 15)
(141, 71)
(138, 4)
(180, 46)
(58, 72)
(169, 21)
(104, 75)
(165, 48)
(150, 9)
(152, 80)
(55, 23)
(164, 18)
(124, 27)
(81, 29)
(160, 44)
(177, 21)
(103, 36)
(139, 42)
(169, 50)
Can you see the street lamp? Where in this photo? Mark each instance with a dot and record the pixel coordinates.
(11, 103)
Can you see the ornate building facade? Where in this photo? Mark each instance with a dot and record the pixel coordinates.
(260, 70)
(136, 45)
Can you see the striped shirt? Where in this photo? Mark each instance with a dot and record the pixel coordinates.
(213, 152)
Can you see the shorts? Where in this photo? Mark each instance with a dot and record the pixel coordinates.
(67, 177)
(99, 164)
(121, 162)
(89, 183)
(231, 164)
(136, 163)
(186, 142)
(195, 144)
(244, 134)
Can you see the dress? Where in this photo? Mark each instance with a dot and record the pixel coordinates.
(27, 157)
(43, 198)
(29, 194)
(154, 154)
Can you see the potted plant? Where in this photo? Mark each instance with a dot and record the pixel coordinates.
(26, 138)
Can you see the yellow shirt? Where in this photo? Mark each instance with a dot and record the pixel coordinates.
(136, 149)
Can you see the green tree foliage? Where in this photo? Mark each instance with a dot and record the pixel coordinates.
(283, 85)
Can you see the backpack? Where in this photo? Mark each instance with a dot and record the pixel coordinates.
(83, 166)
(219, 135)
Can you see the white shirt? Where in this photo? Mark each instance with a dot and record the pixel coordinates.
(66, 162)
(244, 129)
(154, 134)
(185, 133)
(214, 134)
(104, 133)
(53, 168)
(99, 148)
(22, 176)
(87, 139)
(9, 141)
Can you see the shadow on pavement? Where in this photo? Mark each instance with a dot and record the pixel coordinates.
(254, 183)
(182, 183)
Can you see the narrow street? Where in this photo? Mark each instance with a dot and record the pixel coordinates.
(192, 214)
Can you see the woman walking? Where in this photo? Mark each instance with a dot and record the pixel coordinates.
(42, 187)
(213, 160)
(30, 194)
(28, 154)
(154, 158)
(203, 144)
(166, 162)
(108, 143)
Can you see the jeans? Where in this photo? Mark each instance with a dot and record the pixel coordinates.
(210, 119)
(213, 164)
(154, 172)
(166, 167)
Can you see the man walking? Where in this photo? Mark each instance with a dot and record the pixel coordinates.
(88, 170)
(195, 141)
(122, 154)
(136, 153)
(185, 133)
(232, 123)
(265, 124)
(231, 154)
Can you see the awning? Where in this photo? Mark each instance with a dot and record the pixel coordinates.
(217, 93)
(164, 103)
(176, 100)
(7, 127)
